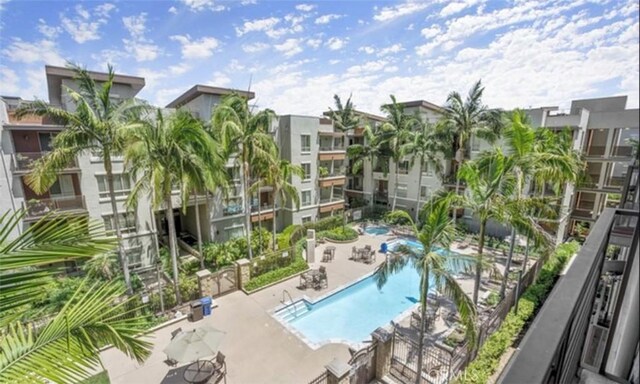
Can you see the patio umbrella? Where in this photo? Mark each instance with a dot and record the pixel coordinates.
(194, 345)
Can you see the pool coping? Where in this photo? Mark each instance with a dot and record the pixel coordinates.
(313, 345)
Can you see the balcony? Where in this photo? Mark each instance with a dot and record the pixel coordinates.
(232, 210)
(261, 213)
(619, 151)
(587, 325)
(355, 186)
(37, 208)
(328, 204)
(24, 161)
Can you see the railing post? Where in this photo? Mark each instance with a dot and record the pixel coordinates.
(384, 347)
(338, 372)
(243, 271)
(205, 282)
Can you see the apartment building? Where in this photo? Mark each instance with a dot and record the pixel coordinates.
(81, 188)
(602, 128)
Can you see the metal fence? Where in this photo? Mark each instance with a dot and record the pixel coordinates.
(321, 379)
(268, 262)
(363, 365)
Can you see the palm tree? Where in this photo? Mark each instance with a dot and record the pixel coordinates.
(437, 231)
(344, 117)
(470, 118)
(165, 153)
(94, 126)
(65, 348)
(245, 137)
(371, 151)
(426, 145)
(394, 135)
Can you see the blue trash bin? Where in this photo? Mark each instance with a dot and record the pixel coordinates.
(383, 247)
(206, 305)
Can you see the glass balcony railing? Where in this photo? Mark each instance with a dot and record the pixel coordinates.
(232, 209)
(262, 208)
(36, 208)
(333, 199)
(24, 161)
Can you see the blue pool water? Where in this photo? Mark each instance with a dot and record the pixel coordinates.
(351, 314)
(376, 230)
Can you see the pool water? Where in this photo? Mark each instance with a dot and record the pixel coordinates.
(376, 230)
(351, 314)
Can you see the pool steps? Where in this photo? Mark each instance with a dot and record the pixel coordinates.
(293, 311)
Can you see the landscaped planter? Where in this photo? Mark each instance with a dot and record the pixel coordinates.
(341, 241)
(274, 283)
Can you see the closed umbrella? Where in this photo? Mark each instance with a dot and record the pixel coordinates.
(194, 345)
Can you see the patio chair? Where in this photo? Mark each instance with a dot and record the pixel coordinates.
(354, 252)
(326, 255)
(464, 244)
(171, 362)
(321, 280)
(367, 247)
(305, 280)
(220, 367)
(175, 333)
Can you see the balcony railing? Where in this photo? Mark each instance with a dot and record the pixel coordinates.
(331, 148)
(568, 333)
(40, 207)
(24, 161)
(584, 213)
(354, 187)
(335, 173)
(616, 151)
(328, 200)
(232, 209)
(263, 208)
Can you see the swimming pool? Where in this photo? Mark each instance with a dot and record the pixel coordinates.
(376, 230)
(352, 313)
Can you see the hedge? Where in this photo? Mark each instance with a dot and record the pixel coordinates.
(488, 358)
(339, 234)
(294, 232)
(298, 265)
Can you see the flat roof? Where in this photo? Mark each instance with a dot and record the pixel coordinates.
(360, 113)
(422, 103)
(200, 89)
(56, 74)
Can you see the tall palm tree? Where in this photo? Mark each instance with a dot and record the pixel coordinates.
(470, 118)
(245, 136)
(94, 126)
(65, 348)
(394, 135)
(437, 231)
(344, 117)
(371, 151)
(426, 145)
(165, 153)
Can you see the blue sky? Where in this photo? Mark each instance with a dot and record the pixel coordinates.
(296, 55)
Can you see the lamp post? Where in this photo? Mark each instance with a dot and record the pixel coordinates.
(158, 265)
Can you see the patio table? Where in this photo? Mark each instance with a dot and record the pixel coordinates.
(199, 372)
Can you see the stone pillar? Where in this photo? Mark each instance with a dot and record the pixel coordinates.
(243, 268)
(311, 246)
(384, 350)
(205, 282)
(338, 372)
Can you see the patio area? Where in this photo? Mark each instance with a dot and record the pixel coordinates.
(257, 347)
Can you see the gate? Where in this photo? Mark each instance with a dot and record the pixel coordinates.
(224, 281)
(436, 362)
(363, 365)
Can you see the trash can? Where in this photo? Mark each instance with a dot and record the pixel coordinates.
(196, 310)
(383, 247)
(206, 305)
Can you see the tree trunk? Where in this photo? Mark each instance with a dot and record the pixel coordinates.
(247, 205)
(476, 285)
(526, 257)
(395, 189)
(168, 212)
(455, 209)
(259, 221)
(419, 192)
(423, 320)
(199, 230)
(507, 265)
(124, 262)
(273, 221)
(373, 189)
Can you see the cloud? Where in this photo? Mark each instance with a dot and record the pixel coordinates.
(219, 79)
(104, 10)
(179, 69)
(202, 5)
(42, 51)
(196, 49)
(336, 43)
(135, 25)
(257, 25)
(457, 7)
(367, 49)
(48, 31)
(82, 27)
(255, 47)
(173, 10)
(430, 31)
(138, 46)
(314, 43)
(399, 10)
(326, 19)
(305, 7)
(395, 48)
(289, 47)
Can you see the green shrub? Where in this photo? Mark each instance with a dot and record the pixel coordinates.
(488, 358)
(298, 265)
(396, 218)
(339, 234)
(218, 255)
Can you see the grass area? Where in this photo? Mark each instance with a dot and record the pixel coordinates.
(100, 378)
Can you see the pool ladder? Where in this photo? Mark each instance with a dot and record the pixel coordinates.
(284, 291)
(291, 306)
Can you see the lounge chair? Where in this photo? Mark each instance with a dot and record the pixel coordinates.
(464, 244)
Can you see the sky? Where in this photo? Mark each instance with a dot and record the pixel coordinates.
(296, 55)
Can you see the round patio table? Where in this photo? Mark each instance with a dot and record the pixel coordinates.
(199, 372)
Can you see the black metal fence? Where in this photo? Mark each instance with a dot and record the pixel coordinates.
(321, 379)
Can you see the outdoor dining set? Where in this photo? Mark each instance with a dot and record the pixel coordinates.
(366, 255)
(314, 278)
(196, 346)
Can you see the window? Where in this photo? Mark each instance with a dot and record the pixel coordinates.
(402, 190)
(233, 232)
(306, 219)
(305, 198)
(403, 167)
(121, 185)
(475, 144)
(127, 222)
(62, 187)
(424, 192)
(134, 255)
(307, 171)
(427, 169)
(305, 143)
(233, 206)
(46, 141)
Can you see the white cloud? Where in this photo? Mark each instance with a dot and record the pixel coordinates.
(305, 7)
(43, 51)
(219, 79)
(289, 47)
(48, 31)
(179, 69)
(335, 43)
(399, 10)
(314, 43)
(203, 5)
(104, 10)
(456, 7)
(257, 25)
(255, 47)
(10, 81)
(367, 49)
(395, 48)
(370, 66)
(166, 95)
(138, 46)
(326, 19)
(196, 49)
(82, 27)
(135, 25)
(173, 10)
(430, 31)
